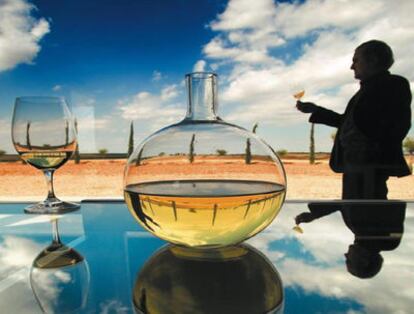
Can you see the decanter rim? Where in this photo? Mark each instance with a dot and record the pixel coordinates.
(201, 75)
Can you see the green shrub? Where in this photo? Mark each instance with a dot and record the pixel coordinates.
(282, 152)
(408, 144)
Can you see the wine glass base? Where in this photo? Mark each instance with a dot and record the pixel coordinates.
(54, 206)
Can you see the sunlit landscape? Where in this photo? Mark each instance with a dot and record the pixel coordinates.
(103, 178)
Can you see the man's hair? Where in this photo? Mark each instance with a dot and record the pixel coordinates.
(363, 263)
(380, 50)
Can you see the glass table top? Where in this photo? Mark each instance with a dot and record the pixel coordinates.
(354, 257)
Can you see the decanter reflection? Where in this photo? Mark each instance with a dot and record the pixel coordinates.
(59, 277)
(204, 182)
(235, 279)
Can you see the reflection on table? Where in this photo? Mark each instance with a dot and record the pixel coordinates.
(126, 264)
(235, 279)
(377, 226)
(59, 277)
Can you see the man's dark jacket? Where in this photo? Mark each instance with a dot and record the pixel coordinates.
(379, 115)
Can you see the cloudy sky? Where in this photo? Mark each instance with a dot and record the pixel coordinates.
(123, 61)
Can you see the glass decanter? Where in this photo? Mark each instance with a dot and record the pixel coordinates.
(204, 182)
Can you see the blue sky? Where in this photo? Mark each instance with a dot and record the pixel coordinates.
(123, 61)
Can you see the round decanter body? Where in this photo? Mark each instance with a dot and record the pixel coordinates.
(203, 182)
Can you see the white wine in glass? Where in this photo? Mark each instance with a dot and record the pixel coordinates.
(44, 135)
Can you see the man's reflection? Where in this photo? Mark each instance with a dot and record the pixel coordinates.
(377, 226)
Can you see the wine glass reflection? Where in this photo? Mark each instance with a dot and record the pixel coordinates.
(236, 279)
(59, 277)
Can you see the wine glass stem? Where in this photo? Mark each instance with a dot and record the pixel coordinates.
(49, 181)
(56, 238)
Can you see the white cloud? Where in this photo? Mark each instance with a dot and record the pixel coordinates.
(169, 92)
(89, 125)
(241, 14)
(84, 123)
(20, 33)
(5, 127)
(57, 88)
(246, 32)
(220, 48)
(392, 293)
(5, 136)
(17, 252)
(269, 46)
(156, 76)
(199, 66)
(155, 109)
(113, 306)
(294, 19)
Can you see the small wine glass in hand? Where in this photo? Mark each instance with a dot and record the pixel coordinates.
(299, 94)
(297, 91)
(44, 135)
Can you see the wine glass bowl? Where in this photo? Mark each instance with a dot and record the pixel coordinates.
(299, 94)
(297, 90)
(44, 136)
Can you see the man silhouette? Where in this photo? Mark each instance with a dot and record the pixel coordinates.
(368, 145)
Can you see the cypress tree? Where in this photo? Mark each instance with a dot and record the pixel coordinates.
(29, 145)
(248, 155)
(191, 151)
(131, 140)
(255, 127)
(67, 133)
(77, 154)
(312, 145)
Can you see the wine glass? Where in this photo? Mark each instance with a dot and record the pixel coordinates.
(297, 228)
(60, 277)
(298, 91)
(299, 94)
(44, 135)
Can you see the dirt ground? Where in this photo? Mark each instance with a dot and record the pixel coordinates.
(104, 179)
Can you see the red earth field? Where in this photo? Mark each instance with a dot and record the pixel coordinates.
(104, 179)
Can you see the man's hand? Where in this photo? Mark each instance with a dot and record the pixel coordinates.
(306, 107)
(304, 217)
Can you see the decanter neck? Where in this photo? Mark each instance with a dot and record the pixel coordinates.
(202, 96)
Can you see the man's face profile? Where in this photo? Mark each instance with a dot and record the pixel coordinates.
(363, 67)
